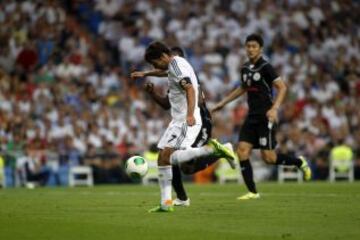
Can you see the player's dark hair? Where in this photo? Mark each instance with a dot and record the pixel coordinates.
(255, 37)
(178, 51)
(155, 50)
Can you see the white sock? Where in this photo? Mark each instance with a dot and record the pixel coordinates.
(165, 178)
(180, 156)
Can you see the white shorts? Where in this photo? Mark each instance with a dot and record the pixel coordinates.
(179, 136)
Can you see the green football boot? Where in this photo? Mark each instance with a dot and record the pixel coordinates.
(305, 169)
(221, 151)
(161, 208)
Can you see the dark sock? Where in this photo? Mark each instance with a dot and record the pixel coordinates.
(283, 159)
(203, 162)
(197, 164)
(178, 184)
(247, 173)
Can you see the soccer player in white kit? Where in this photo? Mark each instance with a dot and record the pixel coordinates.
(176, 143)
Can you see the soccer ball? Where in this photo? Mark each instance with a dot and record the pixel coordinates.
(136, 167)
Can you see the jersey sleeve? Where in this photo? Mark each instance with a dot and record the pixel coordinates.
(243, 77)
(178, 70)
(269, 73)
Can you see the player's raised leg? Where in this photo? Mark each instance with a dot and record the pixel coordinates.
(223, 151)
(271, 157)
(213, 148)
(203, 162)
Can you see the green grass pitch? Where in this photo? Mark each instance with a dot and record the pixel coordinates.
(313, 211)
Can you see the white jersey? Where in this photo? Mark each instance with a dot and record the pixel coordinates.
(180, 68)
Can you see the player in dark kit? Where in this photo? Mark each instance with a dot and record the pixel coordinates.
(258, 131)
(195, 165)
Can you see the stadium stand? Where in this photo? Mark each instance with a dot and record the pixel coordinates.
(65, 89)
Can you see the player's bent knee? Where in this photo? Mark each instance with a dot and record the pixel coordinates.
(243, 153)
(269, 157)
(164, 157)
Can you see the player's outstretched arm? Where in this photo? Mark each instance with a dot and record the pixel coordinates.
(150, 73)
(234, 94)
(161, 101)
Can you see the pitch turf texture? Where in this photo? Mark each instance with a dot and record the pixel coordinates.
(286, 211)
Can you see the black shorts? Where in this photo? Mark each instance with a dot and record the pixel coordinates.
(256, 131)
(205, 132)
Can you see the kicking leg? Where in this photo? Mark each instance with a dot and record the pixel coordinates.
(213, 148)
(181, 156)
(201, 163)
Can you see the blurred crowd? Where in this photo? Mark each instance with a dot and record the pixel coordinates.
(66, 97)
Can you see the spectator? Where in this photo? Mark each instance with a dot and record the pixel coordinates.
(341, 156)
(27, 57)
(31, 169)
(74, 90)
